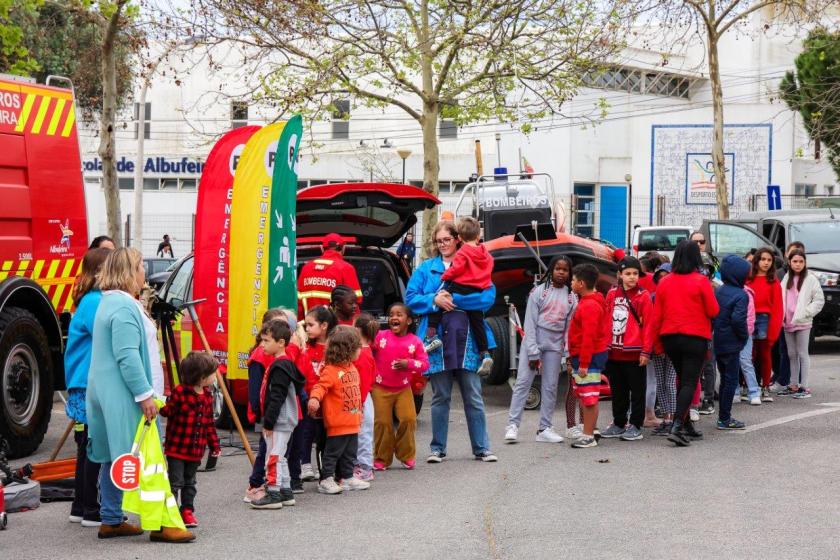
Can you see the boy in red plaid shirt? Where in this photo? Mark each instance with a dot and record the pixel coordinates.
(189, 428)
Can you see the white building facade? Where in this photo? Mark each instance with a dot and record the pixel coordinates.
(646, 162)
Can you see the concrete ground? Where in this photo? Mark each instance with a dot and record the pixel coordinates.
(770, 492)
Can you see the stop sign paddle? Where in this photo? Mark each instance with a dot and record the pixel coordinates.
(125, 469)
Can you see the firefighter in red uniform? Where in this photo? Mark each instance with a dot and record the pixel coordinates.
(319, 276)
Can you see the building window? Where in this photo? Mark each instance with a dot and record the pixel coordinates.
(803, 189)
(147, 125)
(447, 129)
(187, 184)
(829, 190)
(151, 183)
(126, 183)
(633, 80)
(238, 114)
(169, 184)
(341, 119)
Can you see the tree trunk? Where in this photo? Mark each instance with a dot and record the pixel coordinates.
(718, 161)
(431, 170)
(107, 134)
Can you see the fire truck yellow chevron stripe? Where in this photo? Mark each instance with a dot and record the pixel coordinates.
(22, 266)
(24, 113)
(42, 113)
(56, 116)
(56, 296)
(52, 269)
(68, 124)
(36, 271)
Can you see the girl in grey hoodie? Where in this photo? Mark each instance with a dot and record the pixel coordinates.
(543, 351)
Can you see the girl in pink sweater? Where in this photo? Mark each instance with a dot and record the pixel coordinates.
(399, 356)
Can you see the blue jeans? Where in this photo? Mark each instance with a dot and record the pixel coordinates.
(257, 478)
(748, 370)
(470, 385)
(729, 366)
(110, 497)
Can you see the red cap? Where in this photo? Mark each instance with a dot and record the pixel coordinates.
(332, 240)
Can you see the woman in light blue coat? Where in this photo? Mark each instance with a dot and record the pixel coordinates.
(457, 361)
(119, 389)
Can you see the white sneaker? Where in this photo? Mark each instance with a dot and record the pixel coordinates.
(356, 484)
(75, 519)
(549, 436)
(90, 523)
(575, 432)
(736, 399)
(694, 415)
(775, 387)
(307, 473)
(512, 433)
(329, 486)
(755, 401)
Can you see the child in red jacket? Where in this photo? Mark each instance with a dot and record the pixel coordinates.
(469, 273)
(628, 311)
(189, 428)
(588, 343)
(769, 314)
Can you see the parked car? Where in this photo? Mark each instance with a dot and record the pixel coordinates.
(817, 228)
(158, 270)
(371, 217)
(662, 239)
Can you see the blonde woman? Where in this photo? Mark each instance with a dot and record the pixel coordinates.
(120, 385)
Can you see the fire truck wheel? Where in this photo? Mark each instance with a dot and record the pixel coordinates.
(26, 387)
(501, 355)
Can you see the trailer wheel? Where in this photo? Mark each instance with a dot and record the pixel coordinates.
(501, 355)
(4, 519)
(534, 398)
(26, 387)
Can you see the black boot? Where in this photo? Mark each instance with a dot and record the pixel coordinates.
(677, 435)
(691, 431)
(287, 496)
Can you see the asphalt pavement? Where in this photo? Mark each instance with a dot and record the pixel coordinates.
(769, 492)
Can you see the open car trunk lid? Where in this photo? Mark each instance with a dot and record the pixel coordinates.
(375, 214)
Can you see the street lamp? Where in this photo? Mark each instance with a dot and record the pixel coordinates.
(499, 147)
(628, 178)
(403, 153)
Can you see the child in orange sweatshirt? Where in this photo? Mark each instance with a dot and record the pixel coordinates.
(338, 395)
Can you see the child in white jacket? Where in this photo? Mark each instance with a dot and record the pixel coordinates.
(803, 299)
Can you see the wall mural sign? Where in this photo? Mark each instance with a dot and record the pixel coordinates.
(681, 169)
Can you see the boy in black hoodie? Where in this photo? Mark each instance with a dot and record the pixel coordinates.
(730, 334)
(280, 412)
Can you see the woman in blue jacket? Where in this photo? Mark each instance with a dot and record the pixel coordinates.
(86, 295)
(730, 334)
(458, 360)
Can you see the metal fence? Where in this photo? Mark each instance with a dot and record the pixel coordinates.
(179, 227)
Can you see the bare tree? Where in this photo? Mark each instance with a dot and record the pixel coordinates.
(712, 19)
(111, 16)
(513, 61)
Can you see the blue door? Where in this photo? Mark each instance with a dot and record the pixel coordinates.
(613, 221)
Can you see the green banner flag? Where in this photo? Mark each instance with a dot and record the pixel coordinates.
(282, 259)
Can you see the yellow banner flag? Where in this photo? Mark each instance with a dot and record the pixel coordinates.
(249, 235)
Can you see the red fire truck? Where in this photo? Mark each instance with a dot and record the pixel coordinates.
(43, 237)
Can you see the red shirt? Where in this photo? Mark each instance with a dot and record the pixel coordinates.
(315, 355)
(685, 304)
(646, 282)
(627, 335)
(472, 266)
(366, 366)
(320, 276)
(588, 333)
(768, 299)
(190, 425)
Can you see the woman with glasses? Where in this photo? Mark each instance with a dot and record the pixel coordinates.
(458, 359)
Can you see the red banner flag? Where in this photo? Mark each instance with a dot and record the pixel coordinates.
(212, 238)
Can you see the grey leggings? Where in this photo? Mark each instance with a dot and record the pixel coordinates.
(666, 383)
(800, 361)
(551, 365)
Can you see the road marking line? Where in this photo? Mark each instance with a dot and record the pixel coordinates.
(791, 418)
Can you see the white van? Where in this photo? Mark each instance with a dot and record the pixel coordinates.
(662, 239)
